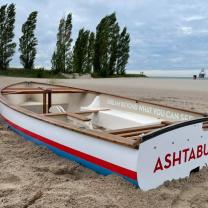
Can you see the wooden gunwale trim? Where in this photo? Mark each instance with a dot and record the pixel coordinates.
(123, 97)
(110, 94)
(99, 135)
(40, 91)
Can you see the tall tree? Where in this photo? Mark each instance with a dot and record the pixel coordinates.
(7, 46)
(68, 42)
(80, 53)
(53, 62)
(63, 54)
(90, 53)
(106, 45)
(28, 42)
(58, 55)
(123, 52)
(114, 38)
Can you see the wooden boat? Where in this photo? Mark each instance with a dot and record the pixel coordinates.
(144, 142)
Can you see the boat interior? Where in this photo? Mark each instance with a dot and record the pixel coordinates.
(120, 119)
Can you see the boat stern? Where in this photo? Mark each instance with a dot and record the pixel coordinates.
(172, 152)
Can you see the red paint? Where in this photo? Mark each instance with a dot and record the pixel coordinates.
(192, 155)
(199, 151)
(115, 168)
(168, 161)
(180, 157)
(158, 165)
(176, 158)
(185, 153)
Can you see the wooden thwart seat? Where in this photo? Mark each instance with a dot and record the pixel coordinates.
(130, 142)
(135, 129)
(135, 133)
(73, 115)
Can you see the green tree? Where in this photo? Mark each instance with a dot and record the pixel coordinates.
(123, 52)
(53, 62)
(28, 42)
(107, 33)
(68, 42)
(114, 39)
(80, 52)
(62, 57)
(7, 46)
(90, 53)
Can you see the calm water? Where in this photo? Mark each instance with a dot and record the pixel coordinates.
(170, 74)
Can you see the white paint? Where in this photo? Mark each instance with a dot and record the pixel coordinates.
(108, 151)
(142, 161)
(173, 141)
(116, 119)
(155, 111)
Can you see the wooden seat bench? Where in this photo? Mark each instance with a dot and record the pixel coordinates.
(135, 129)
(73, 115)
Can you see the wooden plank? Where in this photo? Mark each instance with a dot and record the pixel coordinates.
(167, 122)
(44, 103)
(137, 141)
(49, 100)
(92, 111)
(133, 129)
(130, 142)
(67, 91)
(73, 115)
(79, 117)
(205, 126)
(56, 114)
(29, 91)
(135, 133)
(40, 90)
(116, 139)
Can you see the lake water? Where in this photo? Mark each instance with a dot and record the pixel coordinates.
(169, 74)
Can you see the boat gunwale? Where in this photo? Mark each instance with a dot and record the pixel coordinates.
(120, 96)
(172, 127)
(100, 135)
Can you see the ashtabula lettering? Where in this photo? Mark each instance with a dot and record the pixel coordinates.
(180, 157)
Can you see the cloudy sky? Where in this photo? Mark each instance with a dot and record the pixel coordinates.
(164, 34)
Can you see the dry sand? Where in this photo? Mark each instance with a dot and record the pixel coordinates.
(31, 176)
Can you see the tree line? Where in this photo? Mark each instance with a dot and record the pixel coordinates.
(103, 53)
(27, 42)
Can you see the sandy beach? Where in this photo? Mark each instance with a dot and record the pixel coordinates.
(31, 176)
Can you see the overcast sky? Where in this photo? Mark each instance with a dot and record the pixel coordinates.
(164, 34)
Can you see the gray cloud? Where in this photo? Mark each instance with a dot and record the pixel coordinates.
(164, 34)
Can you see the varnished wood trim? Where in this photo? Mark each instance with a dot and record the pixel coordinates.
(73, 115)
(92, 111)
(134, 129)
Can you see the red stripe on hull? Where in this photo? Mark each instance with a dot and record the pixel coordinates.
(120, 170)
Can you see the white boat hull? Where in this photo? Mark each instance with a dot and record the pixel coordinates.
(100, 155)
(166, 153)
